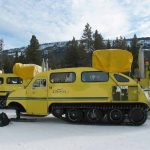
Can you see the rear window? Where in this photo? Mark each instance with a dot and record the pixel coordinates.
(1, 80)
(94, 76)
(14, 80)
(63, 77)
(120, 78)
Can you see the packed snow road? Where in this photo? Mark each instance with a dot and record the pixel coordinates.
(52, 133)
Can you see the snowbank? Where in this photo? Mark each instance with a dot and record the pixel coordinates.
(51, 133)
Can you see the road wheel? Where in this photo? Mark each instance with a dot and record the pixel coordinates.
(74, 115)
(57, 112)
(137, 116)
(94, 115)
(115, 116)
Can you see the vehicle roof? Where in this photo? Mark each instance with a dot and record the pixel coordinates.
(74, 69)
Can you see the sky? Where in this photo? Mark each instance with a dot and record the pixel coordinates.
(60, 20)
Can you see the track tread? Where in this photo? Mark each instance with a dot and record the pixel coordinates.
(105, 107)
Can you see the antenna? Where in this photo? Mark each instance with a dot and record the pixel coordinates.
(46, 65)
(43, 65)
(141, 62)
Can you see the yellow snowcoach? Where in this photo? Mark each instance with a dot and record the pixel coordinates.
(10, 82)
(86, 94)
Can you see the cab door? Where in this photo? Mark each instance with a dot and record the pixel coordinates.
(37, 97)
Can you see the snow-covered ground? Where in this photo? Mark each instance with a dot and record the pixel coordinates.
(53, 134)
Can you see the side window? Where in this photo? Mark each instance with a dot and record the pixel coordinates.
(1, 80)
(39, 83)
(63, 77)
(120, 78)
(94, 76)
(14, 80)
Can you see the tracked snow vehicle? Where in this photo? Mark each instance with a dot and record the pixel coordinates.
(86, 94)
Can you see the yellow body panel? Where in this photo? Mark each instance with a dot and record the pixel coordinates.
(145, 83)
(36, 101)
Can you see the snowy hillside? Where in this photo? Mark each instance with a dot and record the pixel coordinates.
(51, 133)
(46, 46)
(58, 44)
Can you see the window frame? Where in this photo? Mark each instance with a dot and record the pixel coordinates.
(94, 81)
(60, 73)
(40, 86)
(14, 83)
(121, 76)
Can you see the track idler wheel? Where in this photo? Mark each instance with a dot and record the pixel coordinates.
(94, 115)
(74, 115)
(137, 116)
(115, 116)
